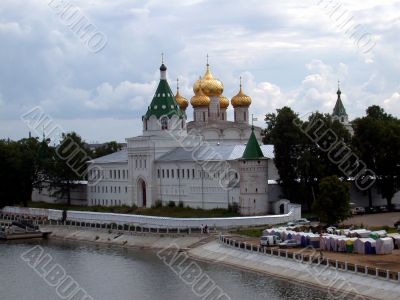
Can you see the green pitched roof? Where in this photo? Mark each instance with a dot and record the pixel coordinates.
(253, 149)
(339, 109)
(164, 102)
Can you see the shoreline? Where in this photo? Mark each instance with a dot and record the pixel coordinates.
(208, 249)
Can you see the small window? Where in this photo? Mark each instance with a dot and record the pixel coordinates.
(119, 174)
(193, 175)
(163, 173)
(167, 173)
(164, 123)
(188, 173)
(177, 173)
(158, 173)
(172, 173)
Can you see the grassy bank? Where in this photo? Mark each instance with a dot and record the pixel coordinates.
(177, 212)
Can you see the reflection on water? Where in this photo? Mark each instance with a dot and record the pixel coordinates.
(110, 272)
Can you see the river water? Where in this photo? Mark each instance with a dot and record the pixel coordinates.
(115, 273)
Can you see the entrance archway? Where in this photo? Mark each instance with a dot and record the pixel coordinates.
(142, 195)
(282, 209)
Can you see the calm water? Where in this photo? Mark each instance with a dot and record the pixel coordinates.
(109, 272)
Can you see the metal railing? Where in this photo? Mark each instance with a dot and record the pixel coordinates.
(304, 258)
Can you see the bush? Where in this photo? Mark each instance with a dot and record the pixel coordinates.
(171, 204)
(234, 207)
(158, 204)
(180, 204)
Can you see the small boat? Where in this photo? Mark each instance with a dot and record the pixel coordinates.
(21, 230)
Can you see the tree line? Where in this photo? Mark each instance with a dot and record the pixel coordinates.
(317, 157)
(31, 163)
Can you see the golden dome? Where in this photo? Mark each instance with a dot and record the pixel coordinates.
(210, 85)
(199, 99)
(241, 99)
(197, 86)
(223, 102)
(182, 101)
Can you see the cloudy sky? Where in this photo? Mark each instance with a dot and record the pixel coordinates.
(288, 53)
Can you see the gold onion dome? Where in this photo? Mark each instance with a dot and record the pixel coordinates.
(241, 99)
(223, 102)
(182, 101)
(210, 85)
(199, 99)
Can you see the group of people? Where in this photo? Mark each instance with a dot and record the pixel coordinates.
(204, 229)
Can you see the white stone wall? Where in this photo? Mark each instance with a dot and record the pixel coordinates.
(113, 187)
(197, 185)
(254, 187)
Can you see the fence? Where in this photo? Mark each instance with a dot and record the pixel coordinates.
(156, 222)
(303, 258)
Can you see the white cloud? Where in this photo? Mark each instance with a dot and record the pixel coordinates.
(289, 53)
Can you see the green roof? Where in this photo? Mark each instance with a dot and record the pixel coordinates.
(253, 149)
(339, 109)
(164, 103)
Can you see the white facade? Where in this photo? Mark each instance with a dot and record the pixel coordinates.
(166, 163)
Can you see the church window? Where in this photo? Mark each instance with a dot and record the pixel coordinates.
(119, 174)
(119, 189)
(222, 116)
(106, 190)
(158, 173)
(140, 163)
(115, 174)
(172, 173)
(256, 190)
(193, 175)
(127, 173)
(145, 163)
(136, 163)
(167, 173)
(204, 116)
(177, 173)
(188, 173)
(183, 173)
(126, 189)
(164, 123)
(163, 173)
(244, 116)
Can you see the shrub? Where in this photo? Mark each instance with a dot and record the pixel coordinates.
(171, 204)
(234, 207)
(158, 204)
(180, 204)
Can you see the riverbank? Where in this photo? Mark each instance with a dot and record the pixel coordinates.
(206, 248)
(334, 281)
(121, 238)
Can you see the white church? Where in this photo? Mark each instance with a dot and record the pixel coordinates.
(207, 163)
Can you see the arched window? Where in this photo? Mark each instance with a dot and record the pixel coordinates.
(164, 123)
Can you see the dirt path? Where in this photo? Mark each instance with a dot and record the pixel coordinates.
(374, 220)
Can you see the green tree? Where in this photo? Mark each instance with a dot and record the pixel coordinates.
(106, 148)
(333, 202)
(377, 141)
(286, 137)
(22, 168)
(68, 165)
